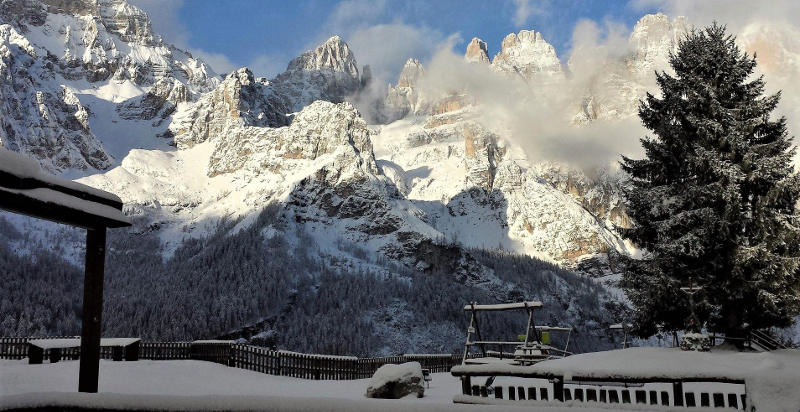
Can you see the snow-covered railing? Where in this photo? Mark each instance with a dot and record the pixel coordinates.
(165, 350)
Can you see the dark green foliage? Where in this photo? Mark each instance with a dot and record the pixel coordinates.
(714, 198)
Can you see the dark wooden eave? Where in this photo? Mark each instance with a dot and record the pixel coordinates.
(23, 195)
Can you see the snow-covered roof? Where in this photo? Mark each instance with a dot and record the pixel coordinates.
(74, 342)
(505, 306)
(26, 189)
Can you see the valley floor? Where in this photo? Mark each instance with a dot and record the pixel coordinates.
(198, 385)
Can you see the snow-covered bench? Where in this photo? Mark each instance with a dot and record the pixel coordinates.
(122, 348)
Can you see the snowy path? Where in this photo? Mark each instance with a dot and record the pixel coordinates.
(197, 385)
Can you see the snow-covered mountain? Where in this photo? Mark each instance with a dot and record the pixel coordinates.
(438, 175)
(528, 55)
(65, 64)
(91, 92)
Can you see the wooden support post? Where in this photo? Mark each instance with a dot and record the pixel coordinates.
(558, 389)
(92, 310)
(677, 393)
(132, 351)
(35, 354)
(55, 355)
(466, 385)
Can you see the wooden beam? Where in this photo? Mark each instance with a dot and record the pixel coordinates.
(26, 205)
(79, 191)
(92, 309)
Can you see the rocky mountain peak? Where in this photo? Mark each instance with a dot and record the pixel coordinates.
(526, 53)
(118, 17)
(329, 72)
(411, 72)
(653, 38)
(334, 54)
(129, 22)
(477, 51)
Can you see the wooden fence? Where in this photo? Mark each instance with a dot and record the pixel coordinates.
(285, 363)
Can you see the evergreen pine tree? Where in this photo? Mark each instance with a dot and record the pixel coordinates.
(714, 199)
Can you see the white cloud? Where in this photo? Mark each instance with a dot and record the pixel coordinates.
(538, 119)
(734, 13)
(524, 10)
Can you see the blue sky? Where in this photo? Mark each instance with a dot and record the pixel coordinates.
(266, 34)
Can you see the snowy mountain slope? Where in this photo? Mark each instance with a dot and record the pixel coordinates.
(483, 194)
(322, 171)
(244, 142)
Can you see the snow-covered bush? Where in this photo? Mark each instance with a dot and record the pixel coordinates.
(696, 341)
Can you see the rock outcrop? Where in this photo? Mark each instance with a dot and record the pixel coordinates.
(40, 118)
(616, 90)
(397, 381)
(477, 51)
(405, 98)
(240, 100)
(653, 38)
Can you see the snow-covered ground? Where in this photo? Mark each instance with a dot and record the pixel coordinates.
(198, 385)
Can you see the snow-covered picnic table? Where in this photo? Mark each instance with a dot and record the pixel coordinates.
(771, 378)
(121, 347)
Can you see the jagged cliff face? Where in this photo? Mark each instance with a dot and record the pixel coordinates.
(329, 73)
(654, 37)
(40, 118)
(50, 47)
(240, 100)
(481, 189)
(483, 193)
(405, 98)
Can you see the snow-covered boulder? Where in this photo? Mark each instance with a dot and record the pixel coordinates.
(396, 381)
